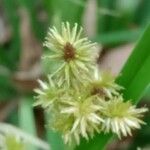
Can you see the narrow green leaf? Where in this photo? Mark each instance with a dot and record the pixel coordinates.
(136, 60)
(26, 118)
(135, 78)
(140, 83)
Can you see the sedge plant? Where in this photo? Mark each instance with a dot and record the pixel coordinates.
(80, 99)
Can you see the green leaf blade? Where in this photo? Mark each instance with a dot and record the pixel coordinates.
(136, 59)
(26, 118)
(140, 82)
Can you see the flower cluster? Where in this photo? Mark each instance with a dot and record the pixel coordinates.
(82, 101)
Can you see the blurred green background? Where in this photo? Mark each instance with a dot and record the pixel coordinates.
(23, 26)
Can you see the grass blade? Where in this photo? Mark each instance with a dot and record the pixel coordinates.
(139, 83)
(26, 118)
(136, 60)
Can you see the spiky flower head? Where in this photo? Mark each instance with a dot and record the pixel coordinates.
(79, 116)
(121, 117)
(74, 53)
(86, 116)
(48, 94)
(104, 85)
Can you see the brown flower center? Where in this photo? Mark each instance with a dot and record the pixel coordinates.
(97, 91)
(69, 52)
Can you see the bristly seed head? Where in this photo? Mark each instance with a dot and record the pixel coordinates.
(69, 52)
(73, 55)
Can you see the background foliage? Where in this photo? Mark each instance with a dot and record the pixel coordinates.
(24, 25)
